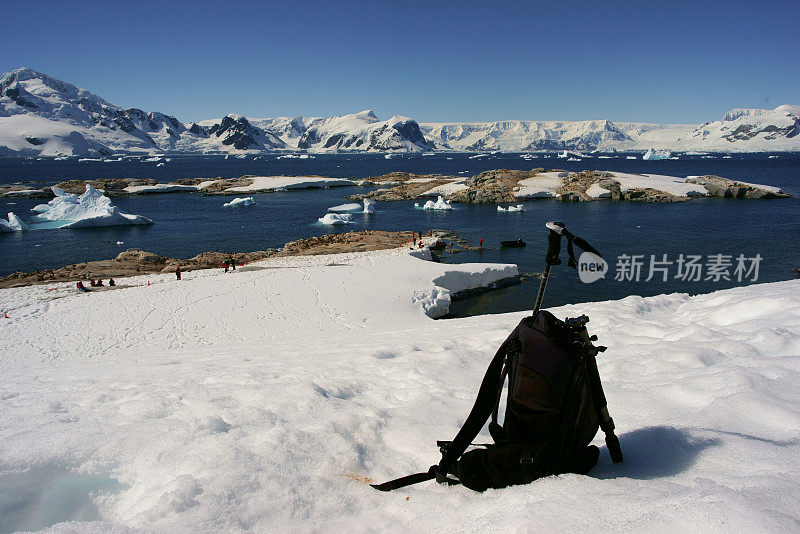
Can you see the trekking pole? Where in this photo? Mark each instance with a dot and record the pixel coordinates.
(553, 251)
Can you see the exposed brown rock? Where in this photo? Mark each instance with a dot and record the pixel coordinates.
(718, 186)
(134, 261)
(349, 242)
(402, 185)
(492, 187)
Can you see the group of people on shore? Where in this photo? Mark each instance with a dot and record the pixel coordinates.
(95, 283)
(229, 263)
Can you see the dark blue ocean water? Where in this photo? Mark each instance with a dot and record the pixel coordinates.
(187, 224)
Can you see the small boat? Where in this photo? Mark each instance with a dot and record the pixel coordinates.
(512, 244)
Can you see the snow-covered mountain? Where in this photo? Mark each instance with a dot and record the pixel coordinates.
(43, 116)
(521, 136)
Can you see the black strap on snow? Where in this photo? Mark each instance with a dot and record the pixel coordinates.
(408, 480)
(416, 478)
(452, 450)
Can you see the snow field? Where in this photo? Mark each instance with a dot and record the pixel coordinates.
(255, 400)
(446, 189)
(276, 183)
(543, 185)
(669, 184)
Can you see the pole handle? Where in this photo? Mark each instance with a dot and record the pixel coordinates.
(554, 243)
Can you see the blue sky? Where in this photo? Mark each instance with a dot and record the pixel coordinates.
(433, 61)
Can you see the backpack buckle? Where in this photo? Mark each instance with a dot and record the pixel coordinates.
(524, 460)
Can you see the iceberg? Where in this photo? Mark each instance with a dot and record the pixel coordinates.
(440, 204)
(369, 205)
(571, 154)
(13, 224)
(518, 207)
(341, 208)
(336, 218)
(90, 209)
(657, 154)
(239, 202)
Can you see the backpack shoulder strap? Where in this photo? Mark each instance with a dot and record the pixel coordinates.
(484, 406)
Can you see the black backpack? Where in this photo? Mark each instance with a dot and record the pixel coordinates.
(554, 407)
(553, 410)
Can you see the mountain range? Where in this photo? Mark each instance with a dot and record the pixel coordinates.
(43, 116)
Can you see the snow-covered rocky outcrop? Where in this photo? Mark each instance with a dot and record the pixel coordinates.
(43, 116)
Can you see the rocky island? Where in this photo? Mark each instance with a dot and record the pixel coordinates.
(489, 187)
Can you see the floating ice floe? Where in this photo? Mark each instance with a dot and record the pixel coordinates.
(240, 202)
(344, 208)
(440, 204)
(294, 156)
(518, 207)
(657, 154)
(90, 209)
(13, 224)
(369, 205)
(336, 218)
(571, 154)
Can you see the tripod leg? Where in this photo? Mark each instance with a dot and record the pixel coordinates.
(601, 405)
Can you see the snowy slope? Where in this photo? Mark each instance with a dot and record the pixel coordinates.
(256, 400)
